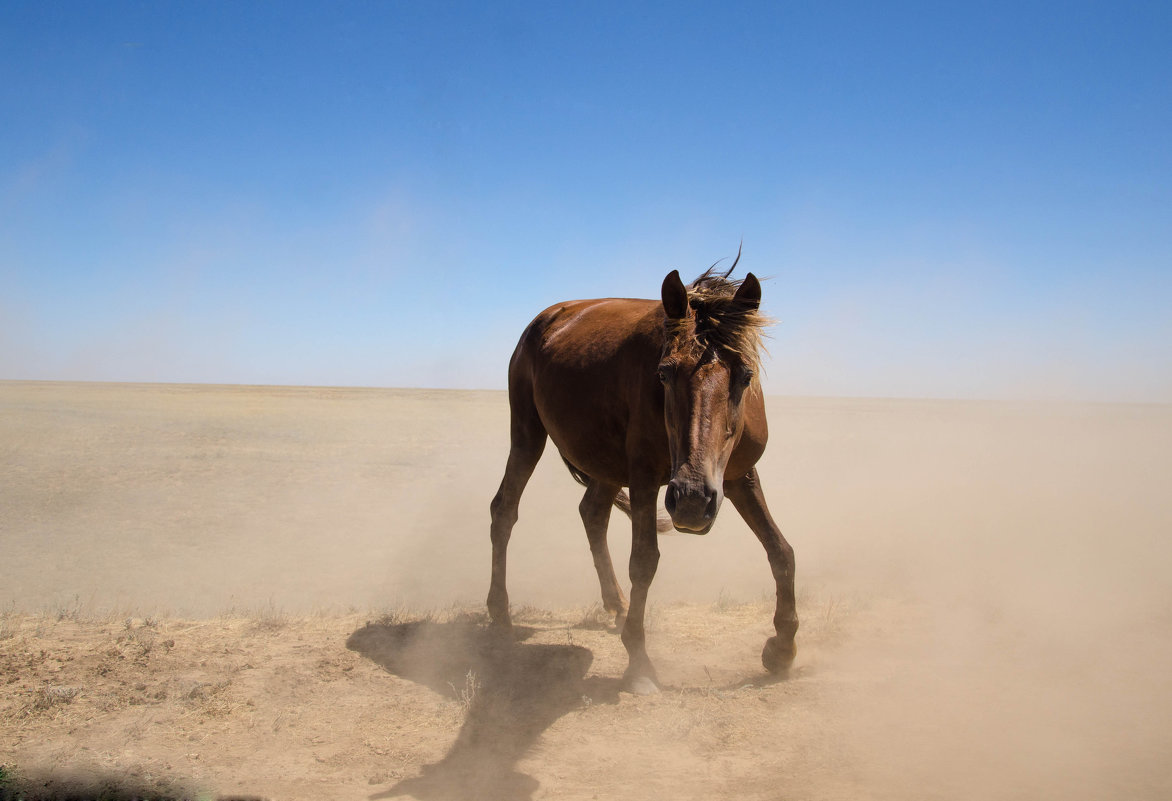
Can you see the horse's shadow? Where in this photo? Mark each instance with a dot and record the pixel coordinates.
(513, 691)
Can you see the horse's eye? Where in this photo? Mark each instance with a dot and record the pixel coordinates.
(663, 374)
(746, 377)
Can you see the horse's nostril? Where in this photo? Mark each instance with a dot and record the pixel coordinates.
(669, 499)
(710, 511)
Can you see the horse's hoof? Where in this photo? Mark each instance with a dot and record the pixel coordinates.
(777, 655)
(640, 678)
(641, 685)
(501, 629)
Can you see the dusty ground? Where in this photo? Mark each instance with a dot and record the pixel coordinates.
(277, 592)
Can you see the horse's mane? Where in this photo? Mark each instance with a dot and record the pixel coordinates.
(718, 321)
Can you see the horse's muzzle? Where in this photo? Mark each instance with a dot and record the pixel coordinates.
(692, 507)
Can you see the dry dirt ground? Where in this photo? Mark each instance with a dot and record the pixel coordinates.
(251, 592)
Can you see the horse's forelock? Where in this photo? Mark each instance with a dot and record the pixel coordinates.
(718, 320)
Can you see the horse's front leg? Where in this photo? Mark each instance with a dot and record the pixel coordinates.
(640, 676)
(746, 495)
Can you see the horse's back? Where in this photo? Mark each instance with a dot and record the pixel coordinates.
(587, 331)
(587, 368)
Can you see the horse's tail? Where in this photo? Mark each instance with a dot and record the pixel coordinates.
(663, 522)
(622, 501)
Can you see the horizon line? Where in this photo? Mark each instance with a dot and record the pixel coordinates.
(1067, 401)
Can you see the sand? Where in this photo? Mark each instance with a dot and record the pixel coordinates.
(278, 592)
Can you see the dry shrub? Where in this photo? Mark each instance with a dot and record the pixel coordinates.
(50, 696)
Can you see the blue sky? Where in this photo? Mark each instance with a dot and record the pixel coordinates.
(950, 200)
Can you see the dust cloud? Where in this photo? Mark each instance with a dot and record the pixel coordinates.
(995, 574)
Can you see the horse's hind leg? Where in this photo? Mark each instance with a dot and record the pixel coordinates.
(746, 495)
(527, 441)
(595, 510)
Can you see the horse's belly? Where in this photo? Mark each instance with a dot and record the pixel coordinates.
(590, 437)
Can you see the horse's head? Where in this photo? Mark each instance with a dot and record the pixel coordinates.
(708, 368)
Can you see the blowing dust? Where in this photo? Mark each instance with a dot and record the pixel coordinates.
(996, 574)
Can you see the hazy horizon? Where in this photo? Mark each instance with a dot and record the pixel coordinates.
(1021, 400)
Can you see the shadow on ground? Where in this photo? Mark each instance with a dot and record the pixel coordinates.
(61, 785)
(513, 691)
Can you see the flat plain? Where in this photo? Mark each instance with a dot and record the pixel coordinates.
(278, 592)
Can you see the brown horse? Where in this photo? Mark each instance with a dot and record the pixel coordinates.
(638, 394)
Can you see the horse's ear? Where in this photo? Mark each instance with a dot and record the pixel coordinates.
(749, 292)
(675, 296)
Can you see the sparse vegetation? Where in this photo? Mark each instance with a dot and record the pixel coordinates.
(141, 637)
(50, 696)
(184, 691)
(595, 618)
(531, 614)
(939, 639)
(70, 610)
(466, 695)
(268, 617)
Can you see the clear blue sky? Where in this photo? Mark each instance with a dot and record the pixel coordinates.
(956, 200)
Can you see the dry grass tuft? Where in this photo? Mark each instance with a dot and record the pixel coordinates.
(50, 696)
(595, 618)
(9, 626)
(466, 695)
(824, 614)
(456, 613)
(726, 603)
(532, 614)
(142, 638)
(70, 611)
(270, 617)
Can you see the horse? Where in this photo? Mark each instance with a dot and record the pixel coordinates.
(640, 394)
